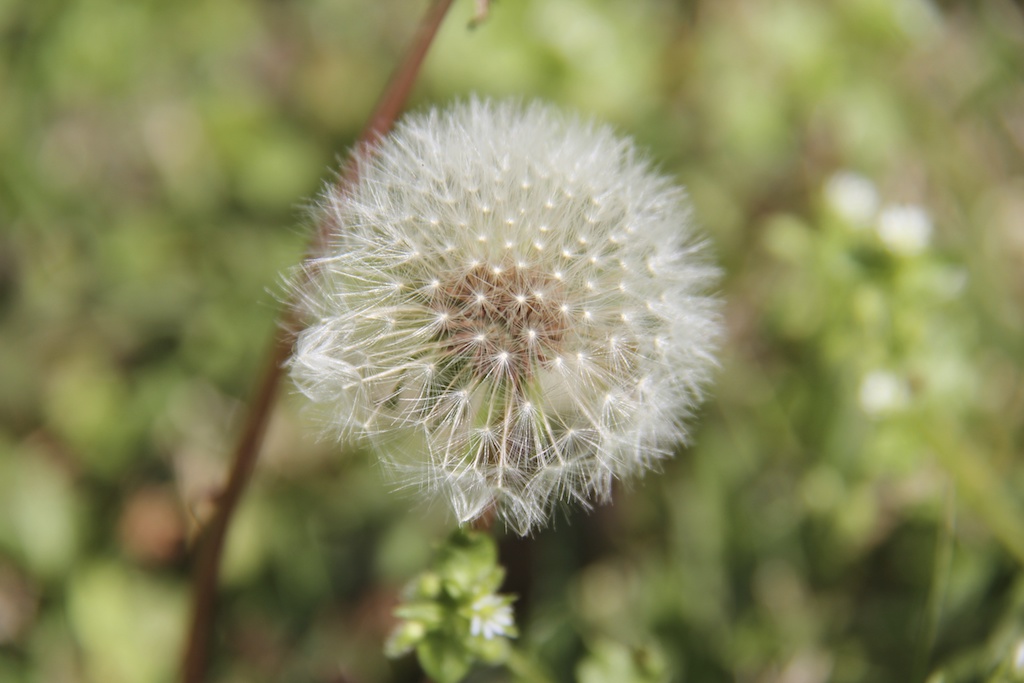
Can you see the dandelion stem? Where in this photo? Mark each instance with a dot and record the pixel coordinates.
(210, 543)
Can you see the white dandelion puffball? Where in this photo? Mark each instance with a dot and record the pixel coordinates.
(512, 310)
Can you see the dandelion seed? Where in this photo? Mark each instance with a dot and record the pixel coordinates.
(524, 339)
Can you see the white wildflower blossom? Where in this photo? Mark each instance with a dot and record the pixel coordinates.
(512, 309)
(853, 197)
(492, 617)
(882, 392)
(905, 229)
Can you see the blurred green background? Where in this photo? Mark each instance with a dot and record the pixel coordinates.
(852, 508)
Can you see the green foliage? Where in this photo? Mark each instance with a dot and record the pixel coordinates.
(612, 662)
(850, 508)
(452, 615)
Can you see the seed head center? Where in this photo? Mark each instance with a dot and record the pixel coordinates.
(505, 319)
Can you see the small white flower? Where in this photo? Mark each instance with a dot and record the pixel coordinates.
(1018, 657)
(853, 197)
(512, 309)
(905, 229)
(883, 392)
(492, 617)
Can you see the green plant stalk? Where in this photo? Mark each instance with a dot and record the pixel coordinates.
(981, 486)
(526, 669)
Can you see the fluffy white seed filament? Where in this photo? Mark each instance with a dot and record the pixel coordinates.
(519, 294)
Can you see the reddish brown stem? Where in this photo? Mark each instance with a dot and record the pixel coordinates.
(210, 543)
(392, 100)
(485, 522)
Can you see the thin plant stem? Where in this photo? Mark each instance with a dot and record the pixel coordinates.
(982, 487)
(942, 569)
(212, 537)
(526, 669)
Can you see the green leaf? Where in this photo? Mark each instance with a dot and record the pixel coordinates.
(427, 586)
(430, 614)
(444, 660)
(490, 650)
(612, 662)
(404, 638)
(468, 565)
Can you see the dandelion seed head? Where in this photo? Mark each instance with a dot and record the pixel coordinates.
(551, 371)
